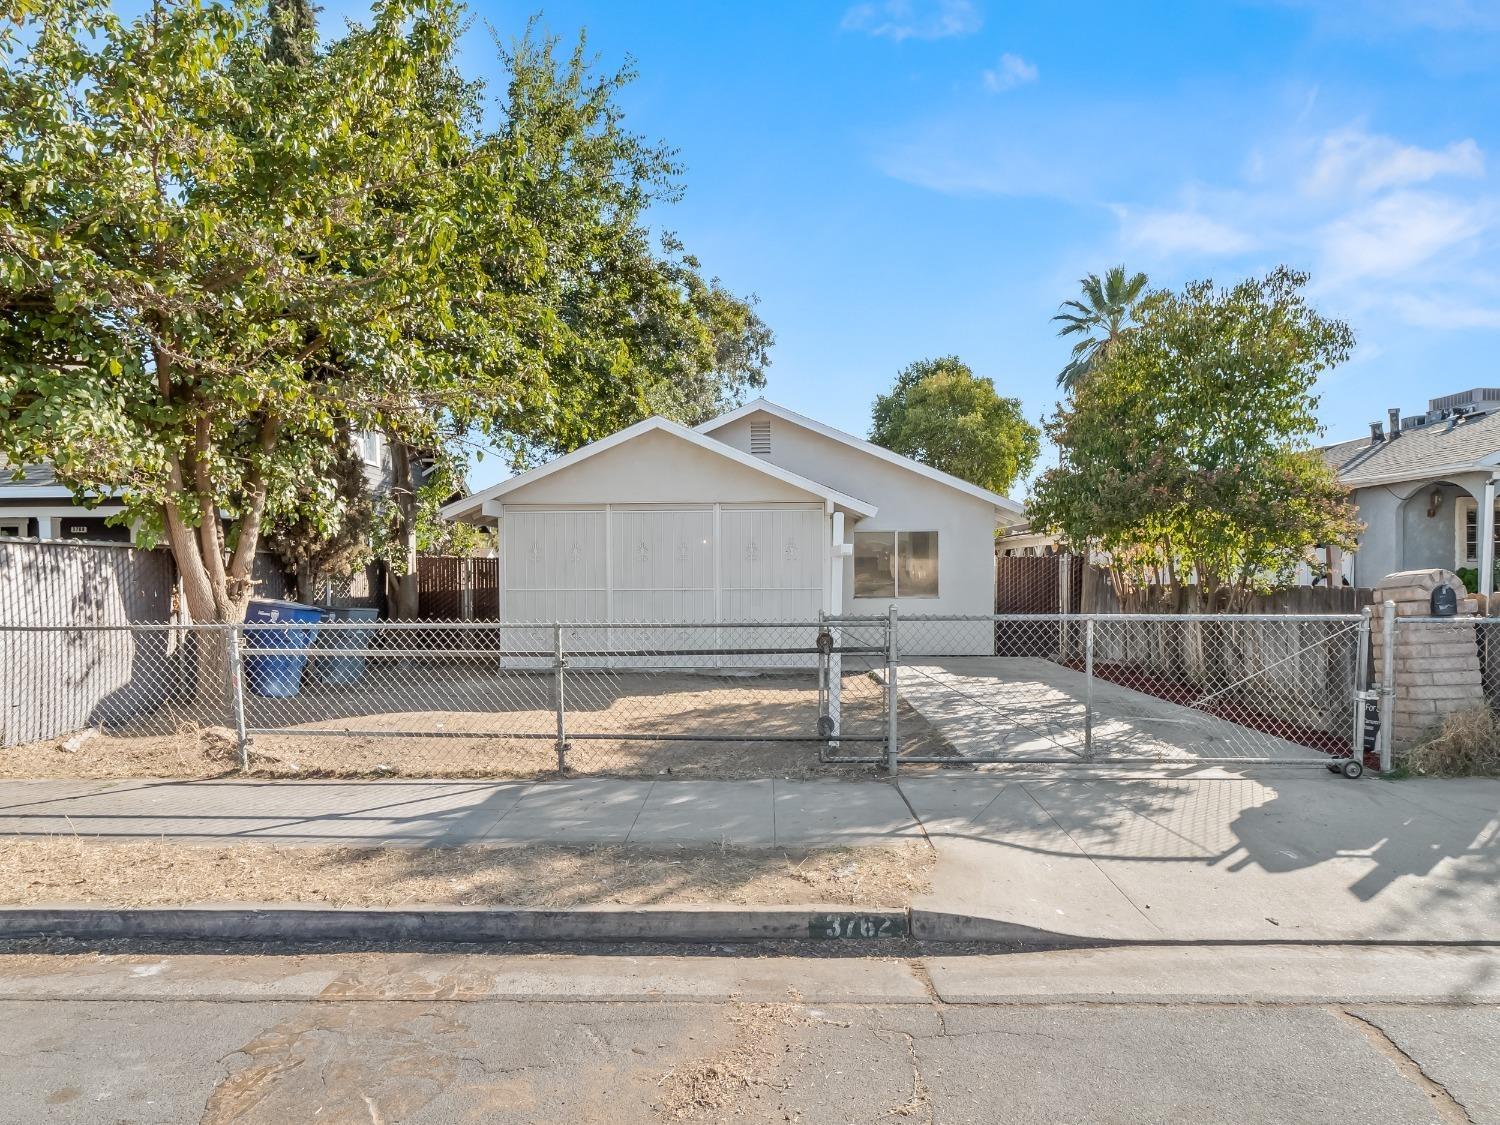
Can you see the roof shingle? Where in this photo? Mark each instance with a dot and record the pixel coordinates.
(1441, 446)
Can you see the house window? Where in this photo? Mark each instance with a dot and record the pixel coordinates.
(1470, 552)
(760, 439)
(895, 564)
(367, 445)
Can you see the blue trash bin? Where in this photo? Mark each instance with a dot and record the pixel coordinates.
(279, 676)
(356, 642)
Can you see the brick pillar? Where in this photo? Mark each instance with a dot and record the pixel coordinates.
(1437, 662)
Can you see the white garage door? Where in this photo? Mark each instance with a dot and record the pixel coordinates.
(554, 566)
(663, 565)
(659, 565)
(771, 564)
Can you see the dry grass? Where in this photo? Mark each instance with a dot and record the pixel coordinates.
(669, 705)
(1467, 744)
(159, 873)
(710, 1087)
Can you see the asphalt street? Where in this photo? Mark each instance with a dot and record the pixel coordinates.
(1069, 1036)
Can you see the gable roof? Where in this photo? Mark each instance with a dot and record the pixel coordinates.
(1423, 452)
(466, 506)
(1004, 503)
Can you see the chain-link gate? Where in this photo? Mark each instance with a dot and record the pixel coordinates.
(1139, 689)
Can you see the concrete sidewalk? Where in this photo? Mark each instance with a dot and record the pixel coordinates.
(762, 813)
(1297, 857)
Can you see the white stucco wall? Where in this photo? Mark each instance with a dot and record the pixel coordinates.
(657, 468)
(1399, 535)
(906, 502)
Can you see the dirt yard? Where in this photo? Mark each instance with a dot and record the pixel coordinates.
(157, 873)
(457, 723)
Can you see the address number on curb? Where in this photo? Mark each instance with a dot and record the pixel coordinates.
(853, 926)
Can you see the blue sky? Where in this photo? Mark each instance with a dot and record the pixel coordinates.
(897, 179)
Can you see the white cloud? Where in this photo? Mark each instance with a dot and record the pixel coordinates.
(1010, 72)
(914, 19)
(1392, 16)
(1432, 312)
(1180, 233)
(1396, 233)
(1352, 161)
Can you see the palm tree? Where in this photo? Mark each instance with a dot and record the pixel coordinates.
(1107, 307)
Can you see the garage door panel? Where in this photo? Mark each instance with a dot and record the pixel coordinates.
(554, 551)
(695, 606)
(555, 605)
(771, 564)
(663, 550)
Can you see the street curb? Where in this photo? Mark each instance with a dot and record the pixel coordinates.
(456, 924)
(938, 926)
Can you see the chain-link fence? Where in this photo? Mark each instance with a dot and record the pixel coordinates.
(1140, 689)
(444, 698)
(725, 699)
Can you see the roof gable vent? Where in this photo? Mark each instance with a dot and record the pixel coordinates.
(760, 439)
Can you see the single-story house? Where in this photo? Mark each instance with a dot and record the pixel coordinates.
(1425, 488)
(761, 514)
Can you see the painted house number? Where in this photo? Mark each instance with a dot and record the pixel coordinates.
(852, 926)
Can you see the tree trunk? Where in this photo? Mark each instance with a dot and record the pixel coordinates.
(401, 575)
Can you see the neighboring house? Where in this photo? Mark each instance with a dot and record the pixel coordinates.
(1021, 540)
(39, 507)
(760, 514)
(1425, 488)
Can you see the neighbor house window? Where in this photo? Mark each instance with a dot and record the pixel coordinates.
(1470, 554)
(367, 445)
(895, 564)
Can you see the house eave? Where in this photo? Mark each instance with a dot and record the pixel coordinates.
(474, 505)
(1001, 503)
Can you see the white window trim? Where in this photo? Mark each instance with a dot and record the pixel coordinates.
(895, 535)
(362, 442)
(1461, 509)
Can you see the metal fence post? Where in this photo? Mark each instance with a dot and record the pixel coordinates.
(1088, 690)
(1387, 684)
(892, 656)
(559, 679)
(1361, 684)
(237, 697)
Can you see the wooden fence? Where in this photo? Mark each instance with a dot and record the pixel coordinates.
(457, 588)
(1066, 584)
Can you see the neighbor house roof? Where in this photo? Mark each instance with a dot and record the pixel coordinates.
(467, 506)
(38, 483)
(1004, 503)
(1467, 444)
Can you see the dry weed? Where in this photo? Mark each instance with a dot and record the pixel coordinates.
(1467, 744)
(141, 873)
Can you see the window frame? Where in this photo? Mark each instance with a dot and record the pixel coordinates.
(363, 441)
(1466, 513)
(895, 544)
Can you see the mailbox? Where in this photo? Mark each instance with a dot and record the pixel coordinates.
(1444, 601)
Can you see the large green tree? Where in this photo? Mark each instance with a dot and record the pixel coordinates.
(1186, 455)
(941, 414)
(224, 248)
(1105, 313)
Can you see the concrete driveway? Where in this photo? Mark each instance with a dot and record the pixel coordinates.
(1283, 856)
(1020, 708)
